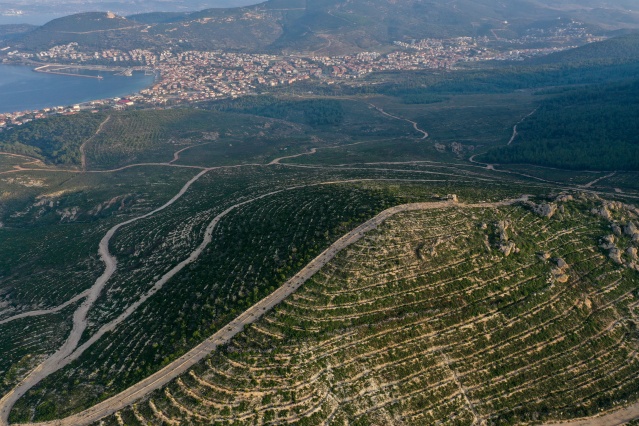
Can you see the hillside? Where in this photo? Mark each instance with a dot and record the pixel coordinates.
(624, 48)
(595, 128)
(8, 32)
(92, 30)
(297, 25)
(460, 307)
(470, 312)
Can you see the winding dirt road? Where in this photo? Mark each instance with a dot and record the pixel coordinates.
(415, 125)
(224, 335)
(33, 160)
(278, 160)
(61, 357)
(594, 182)
(46, 311)
(515, 133)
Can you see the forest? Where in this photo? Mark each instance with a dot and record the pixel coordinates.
(594, 128)
(56, 140)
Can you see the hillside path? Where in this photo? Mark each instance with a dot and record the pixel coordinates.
(415, 125)
(224, 335)
(83, 146)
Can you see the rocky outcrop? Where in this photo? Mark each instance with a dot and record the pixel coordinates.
(634, 260)
(607, 208)
(559, 273)
(505, 245)
(546, 210)
(603, 212)
(616, 229)
(543, 255)
(502, 230)
(631, 230)
(508, 248)
(615, 254)
(562, 198)
(607, 242)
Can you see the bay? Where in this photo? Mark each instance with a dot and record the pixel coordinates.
(23, 89)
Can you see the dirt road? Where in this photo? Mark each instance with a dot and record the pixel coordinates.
(415, 125)
(594, 182)
(515, 133)
(84, 144)
(277, 160)
(614, 418)
(60, 358)
(45, 311)
(223, 336)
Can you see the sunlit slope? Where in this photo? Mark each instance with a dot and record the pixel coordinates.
(457, 315)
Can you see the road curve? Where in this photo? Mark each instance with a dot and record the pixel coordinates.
(515, 133)
(224, 335)
(415, 126)
(45, 311)
(57, 360)
(278, 160)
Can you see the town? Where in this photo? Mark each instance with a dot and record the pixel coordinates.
(195, 76)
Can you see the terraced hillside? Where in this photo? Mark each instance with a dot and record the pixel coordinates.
(459, 315)
(183, 226)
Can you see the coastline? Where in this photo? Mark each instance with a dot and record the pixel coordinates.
(57, 71)
(34, 88)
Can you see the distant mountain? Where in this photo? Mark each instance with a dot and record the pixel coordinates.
(332, 26)
(91, 30)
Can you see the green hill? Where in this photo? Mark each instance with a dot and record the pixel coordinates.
(624, 48)
(11, 31)
(298, 25)
(588, 128)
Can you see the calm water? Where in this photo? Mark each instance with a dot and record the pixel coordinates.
(23, 89)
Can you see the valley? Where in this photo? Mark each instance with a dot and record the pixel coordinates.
(418, 245)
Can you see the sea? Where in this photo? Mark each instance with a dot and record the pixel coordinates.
(23, 89)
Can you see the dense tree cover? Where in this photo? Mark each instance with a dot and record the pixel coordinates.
(429, 86)
(56, 140)
(314, 112)
(517, 78)
(589, 128)
(613, 51)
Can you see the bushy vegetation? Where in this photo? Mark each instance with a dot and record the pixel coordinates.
(314, 112)
(155, 135)
(253, 251)
(426, 319)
